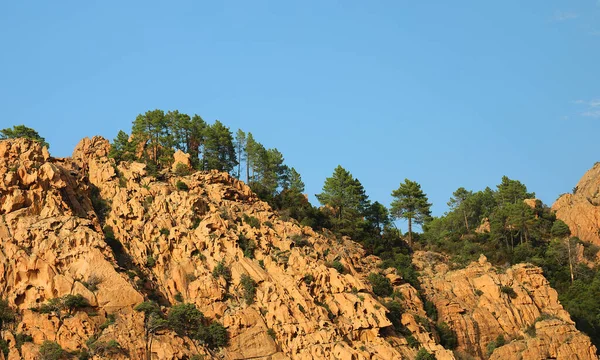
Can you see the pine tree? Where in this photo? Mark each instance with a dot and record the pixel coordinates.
(346, 198)
(22, 131)
(411, 204)
(121, 148)
(219, 151)
(240, 148)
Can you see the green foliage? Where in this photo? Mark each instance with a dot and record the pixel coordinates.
(423, 354)
(92, 283)
(251, 221)
(178, 297)
(106, 348)
(4, 347)
(248, 246)
(308, 279)
(66, 303)
(185, 319)
(394, 314)
(381, 285)
(7, 314)
(164, 231)
(218, 336)
(493, 345)
(560, 229)
(110, 319)
(410, 203)
(448, 338)
(299, 240)
(219, 151)
(249, 288)
(221, 270)
(181, 186)
(22, 131)
(182, 169)
(150, 261)
(508, 291)
(272, 333)
(346, 200)
(338, 266)
(73, 302)
(22, 338)
(50, 350)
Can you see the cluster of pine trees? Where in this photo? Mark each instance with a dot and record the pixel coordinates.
(506, 228)
(156, 135)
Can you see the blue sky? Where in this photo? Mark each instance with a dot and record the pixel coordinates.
(448, 94)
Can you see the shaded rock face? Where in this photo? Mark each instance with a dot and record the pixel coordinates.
(481, 303)
(69, 222)
(581, 210)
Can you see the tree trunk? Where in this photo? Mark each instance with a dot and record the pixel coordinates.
(466, 221)
(570, 260)
(410, 232)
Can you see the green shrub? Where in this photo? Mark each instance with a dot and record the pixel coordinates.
(185, 319)
(478, 292)
(430, 310)
(4, 347)
(249, 287)
(381, 285)
(248, 246)
(221, 270)
(22, 338)
(214, 336)
(423, 354)
(493, 345)
(178, 297)
(181, 169)
(412, 341)
(181, 186)
(251, 221)
(106, 348)
(336, 264)
(308, 279)
(448, 338)
(299, 240)
(110, 319)
(150, 261)
(50, 350)
(394, 314)
(92, 283)
(165, 231)
(560, 229)
(7, 314)
(508, 291)
(272, 333)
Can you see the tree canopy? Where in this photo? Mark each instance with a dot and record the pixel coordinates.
(22, 131)
(410, 203)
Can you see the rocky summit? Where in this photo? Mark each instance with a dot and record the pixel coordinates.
(581, 209)
(87, 245)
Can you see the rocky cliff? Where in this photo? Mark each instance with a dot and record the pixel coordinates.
(581, 209)
(501, 314)
(117, 237)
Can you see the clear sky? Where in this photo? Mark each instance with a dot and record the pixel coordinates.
(446, 93)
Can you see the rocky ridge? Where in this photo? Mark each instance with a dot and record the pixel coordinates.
(68, 223)
(581, 209)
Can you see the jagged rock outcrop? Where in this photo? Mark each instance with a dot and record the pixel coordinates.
(115, 236)
(581, 210)
(481, 303)
(68, 221)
